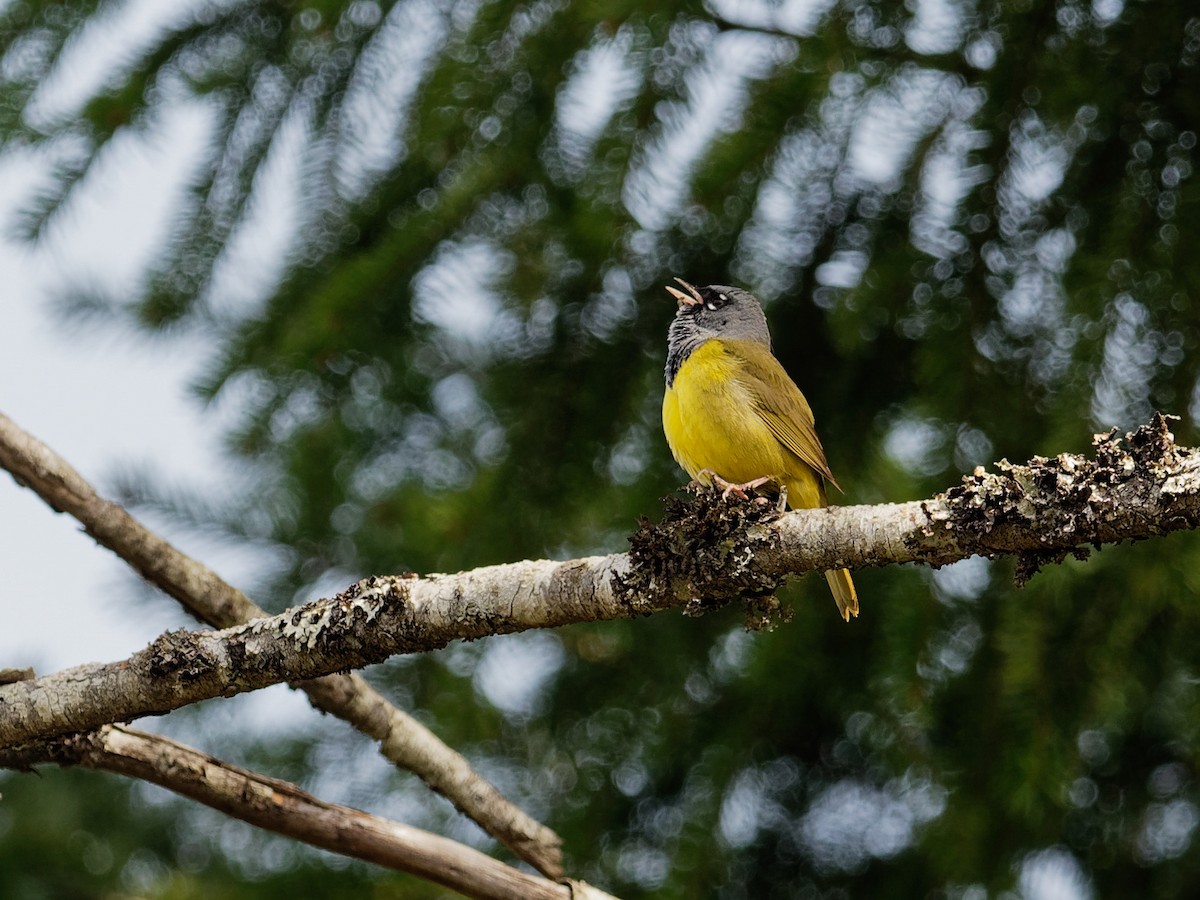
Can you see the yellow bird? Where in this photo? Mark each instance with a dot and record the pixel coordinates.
(731, 414)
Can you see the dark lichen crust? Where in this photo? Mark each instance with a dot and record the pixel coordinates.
(703, 552)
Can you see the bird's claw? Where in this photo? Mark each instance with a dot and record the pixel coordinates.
(738, 490)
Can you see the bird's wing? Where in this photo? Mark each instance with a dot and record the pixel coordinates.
(780, 404)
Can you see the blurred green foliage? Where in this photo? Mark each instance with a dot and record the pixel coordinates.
(969, 222)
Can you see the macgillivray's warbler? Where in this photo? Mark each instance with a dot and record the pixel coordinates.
(731, 414)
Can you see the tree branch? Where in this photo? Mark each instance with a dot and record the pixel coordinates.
(203, 593)
(285, 809)
(706, 553)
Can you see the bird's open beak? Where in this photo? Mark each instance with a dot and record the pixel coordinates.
(683, 298)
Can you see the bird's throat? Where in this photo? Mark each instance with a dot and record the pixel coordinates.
(682, 342)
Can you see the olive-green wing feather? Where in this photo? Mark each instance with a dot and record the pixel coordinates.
(780, 404)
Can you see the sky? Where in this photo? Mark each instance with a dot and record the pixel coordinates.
(110, 402)
(106, 400)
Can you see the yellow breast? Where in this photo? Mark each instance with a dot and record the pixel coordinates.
(710, 421)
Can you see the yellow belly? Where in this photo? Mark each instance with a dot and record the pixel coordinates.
(710, 423)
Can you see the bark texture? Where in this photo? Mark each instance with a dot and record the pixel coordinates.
(283, 808)
(208, 597)
(707, 552)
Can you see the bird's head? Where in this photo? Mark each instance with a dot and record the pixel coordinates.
(717, 311)
(706, 313)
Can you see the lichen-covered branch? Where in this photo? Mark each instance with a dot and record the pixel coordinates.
(707, 552)
(402, 739)
(1135, 488)
(285, 809)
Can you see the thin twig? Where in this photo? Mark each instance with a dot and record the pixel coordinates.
(402, 739)
(283, 808)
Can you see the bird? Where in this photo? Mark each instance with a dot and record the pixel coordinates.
(732, 415)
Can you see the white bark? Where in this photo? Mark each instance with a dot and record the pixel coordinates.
(707, 553)
(402, 739)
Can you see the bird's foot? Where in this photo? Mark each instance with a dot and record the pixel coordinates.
(738, 490)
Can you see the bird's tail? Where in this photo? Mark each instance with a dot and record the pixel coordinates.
(844, 594)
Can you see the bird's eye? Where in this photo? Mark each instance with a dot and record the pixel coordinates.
(716, 303)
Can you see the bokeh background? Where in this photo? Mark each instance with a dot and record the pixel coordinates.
(343, 288)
